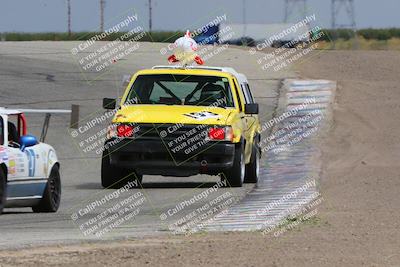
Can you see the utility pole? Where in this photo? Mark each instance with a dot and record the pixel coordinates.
(102, 4)
(346, 8)
(244, 19)
(295, 6)
(150, 17)
(69, 16)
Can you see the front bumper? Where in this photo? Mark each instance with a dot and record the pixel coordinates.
(154, 157)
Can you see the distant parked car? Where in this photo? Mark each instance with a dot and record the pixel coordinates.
(244, 41)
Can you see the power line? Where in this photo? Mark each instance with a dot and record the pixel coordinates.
(344, 8)
(293, 8)
(340, 6)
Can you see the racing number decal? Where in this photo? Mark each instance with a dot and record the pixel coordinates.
(3, 154)
(31, 162)
(202, 115)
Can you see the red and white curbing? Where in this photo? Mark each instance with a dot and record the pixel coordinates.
(284, 172)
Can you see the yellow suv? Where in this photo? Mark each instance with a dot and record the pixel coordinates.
(176, 121)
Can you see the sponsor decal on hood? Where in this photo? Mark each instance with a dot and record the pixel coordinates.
(203, 115)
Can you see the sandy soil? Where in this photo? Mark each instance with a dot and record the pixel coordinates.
(358, 222)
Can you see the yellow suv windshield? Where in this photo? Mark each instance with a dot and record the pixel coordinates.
(168, 89)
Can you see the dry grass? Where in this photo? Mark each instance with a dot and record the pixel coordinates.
(362, 44)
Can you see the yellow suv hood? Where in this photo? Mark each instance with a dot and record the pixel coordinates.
(140, 113)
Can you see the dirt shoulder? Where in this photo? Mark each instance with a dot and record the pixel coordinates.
(358, 222)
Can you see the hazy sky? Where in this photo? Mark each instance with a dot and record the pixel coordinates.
(51, 15)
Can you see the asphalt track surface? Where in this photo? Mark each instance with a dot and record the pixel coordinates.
(47, 75)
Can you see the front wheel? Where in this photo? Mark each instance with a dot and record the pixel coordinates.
(235, 175)
(253, 168)
(3, 186)
(52, 193)
(115, 178)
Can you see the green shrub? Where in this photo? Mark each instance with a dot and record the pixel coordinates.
(156, 36)
(171, 36)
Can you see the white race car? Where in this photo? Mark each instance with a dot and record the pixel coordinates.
(29, 170)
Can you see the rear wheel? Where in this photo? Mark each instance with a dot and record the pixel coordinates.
(3, 185)
(235, 175)
(113, 177)
(52, 193)
(253, 167)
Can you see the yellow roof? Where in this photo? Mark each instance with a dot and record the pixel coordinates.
(184, 71)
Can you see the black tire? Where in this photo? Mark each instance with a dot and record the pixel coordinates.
(3, 187)
(235, 175)
(253, 167)
(115, 178)
(52, 193)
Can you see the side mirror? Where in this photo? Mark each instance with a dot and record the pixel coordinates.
(109, 103)
(27, 141)
(251, 108)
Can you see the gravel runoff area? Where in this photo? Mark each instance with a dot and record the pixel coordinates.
(358, 222)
